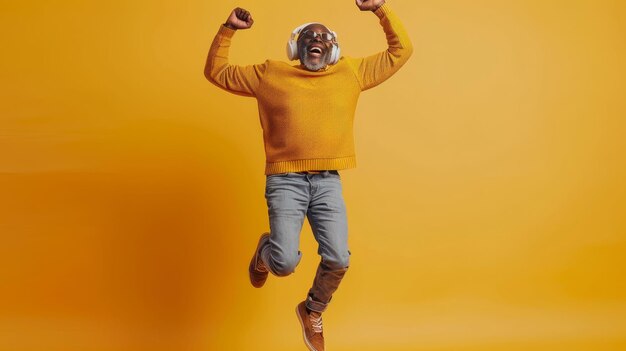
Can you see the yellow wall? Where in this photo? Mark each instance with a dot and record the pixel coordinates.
(487, 211)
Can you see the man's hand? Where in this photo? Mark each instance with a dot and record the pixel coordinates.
(369, 5)
(239, 19)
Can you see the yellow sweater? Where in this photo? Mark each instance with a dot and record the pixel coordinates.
(307, 117)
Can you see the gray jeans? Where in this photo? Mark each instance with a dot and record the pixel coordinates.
(292, 196)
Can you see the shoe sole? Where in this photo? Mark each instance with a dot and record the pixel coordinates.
(306, 341)
(254, 259)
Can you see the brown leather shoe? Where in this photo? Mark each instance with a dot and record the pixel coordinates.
(311, 328)
(257, 269)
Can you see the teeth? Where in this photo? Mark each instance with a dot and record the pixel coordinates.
(318, 50)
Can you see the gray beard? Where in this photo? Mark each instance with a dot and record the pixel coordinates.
(313, 67)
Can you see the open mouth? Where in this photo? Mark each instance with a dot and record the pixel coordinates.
(315, 51)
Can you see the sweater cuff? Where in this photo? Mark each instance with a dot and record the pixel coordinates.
(382, 11)
(225, 31)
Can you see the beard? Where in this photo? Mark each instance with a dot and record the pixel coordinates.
(306, 61)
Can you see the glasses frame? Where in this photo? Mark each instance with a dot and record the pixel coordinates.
(304, 35)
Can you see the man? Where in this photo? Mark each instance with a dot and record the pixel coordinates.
(306, 113)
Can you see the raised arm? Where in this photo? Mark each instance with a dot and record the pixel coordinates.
(377, 68)
(240, 80)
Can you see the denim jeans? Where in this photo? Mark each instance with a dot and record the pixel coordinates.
(292, 196)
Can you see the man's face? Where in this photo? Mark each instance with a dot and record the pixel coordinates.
(314, 52)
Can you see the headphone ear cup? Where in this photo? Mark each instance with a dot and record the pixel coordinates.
(292, 50)
(334, 54)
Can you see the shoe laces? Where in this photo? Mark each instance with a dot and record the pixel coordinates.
(316, 322)
(261, 267)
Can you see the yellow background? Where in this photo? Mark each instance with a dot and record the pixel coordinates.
(487, 211)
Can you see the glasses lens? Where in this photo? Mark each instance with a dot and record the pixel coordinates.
(327, 36)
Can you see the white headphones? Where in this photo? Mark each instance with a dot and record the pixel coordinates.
(292, 45)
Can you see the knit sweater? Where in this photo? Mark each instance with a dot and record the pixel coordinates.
(307, 116)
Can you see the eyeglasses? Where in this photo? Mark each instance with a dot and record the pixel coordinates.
(325, 36)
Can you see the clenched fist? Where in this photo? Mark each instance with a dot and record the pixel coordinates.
(239, 19)
(369, 5)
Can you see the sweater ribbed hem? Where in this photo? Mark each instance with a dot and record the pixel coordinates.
(310, 165)
(382, 11)
(225, 31)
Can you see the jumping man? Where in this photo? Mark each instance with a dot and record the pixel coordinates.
(307, 113)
